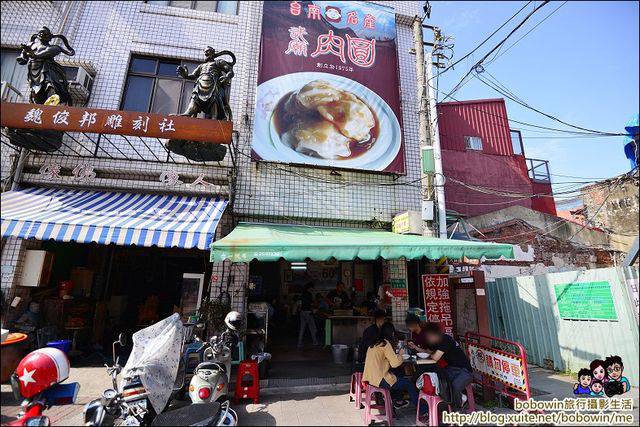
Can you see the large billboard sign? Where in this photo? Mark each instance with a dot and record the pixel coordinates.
(328, 86)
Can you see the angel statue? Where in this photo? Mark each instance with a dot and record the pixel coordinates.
(213, 85)
(46, 77)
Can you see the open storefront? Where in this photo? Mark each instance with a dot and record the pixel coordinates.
(101, 263)
(283, 259)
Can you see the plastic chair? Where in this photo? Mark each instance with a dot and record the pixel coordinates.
(355, 389)
(240, 358)
(368, 406)
(247, 382)
(432, 403)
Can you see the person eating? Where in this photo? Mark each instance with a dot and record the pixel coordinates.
(379, 360)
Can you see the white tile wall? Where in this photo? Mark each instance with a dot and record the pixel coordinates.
(107, 33)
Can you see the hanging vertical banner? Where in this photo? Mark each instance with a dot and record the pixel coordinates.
(328, 86)
(437, 301)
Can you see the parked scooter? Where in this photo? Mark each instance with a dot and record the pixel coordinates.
(37, 382)
(210, 380)
(149, 379)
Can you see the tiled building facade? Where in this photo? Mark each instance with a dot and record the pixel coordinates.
(108, 34)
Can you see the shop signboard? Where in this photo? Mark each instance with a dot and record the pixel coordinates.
(585, 301)
(437, 300)
(91, 120)
(328, 86)
(503, 367)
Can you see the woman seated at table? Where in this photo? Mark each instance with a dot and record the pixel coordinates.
(381, 357)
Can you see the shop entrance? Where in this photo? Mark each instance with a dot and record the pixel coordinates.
(97, 291)
(277, 287)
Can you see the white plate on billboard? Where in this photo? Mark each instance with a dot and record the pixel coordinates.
(267, 143)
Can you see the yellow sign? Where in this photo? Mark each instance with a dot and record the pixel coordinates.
(400, 223)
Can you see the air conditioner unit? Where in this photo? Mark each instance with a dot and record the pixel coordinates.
(80, 75)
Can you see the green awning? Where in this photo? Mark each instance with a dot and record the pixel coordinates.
(268, 242)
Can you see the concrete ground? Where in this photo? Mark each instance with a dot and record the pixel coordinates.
(326, 405)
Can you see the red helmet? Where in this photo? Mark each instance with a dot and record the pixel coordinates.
(39, 370)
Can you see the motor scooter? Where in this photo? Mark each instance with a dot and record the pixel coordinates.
(132, 403)
(210, 380)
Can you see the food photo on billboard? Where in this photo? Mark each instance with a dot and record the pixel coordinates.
(328, 87)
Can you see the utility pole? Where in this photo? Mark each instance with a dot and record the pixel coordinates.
(429, 139)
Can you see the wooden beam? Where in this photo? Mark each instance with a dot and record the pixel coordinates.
(113, 122)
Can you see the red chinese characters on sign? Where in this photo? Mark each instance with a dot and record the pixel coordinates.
(359, 51)
(333, 14)
(437, 301)
(329, 43)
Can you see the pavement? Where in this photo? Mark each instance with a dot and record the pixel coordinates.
(327, 405)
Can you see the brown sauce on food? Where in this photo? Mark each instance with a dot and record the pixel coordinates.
(283, 121)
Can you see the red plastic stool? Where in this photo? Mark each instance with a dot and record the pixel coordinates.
(247, 388)
(433, 401)
(368, 406)
(355, 389)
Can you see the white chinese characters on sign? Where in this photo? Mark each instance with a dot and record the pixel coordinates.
(61, 118)
(84, 172)
(141, 123)
(298, 44)
(87, 119)
(200, 181)
(114, 121)
(166, 126)
(170, 178)
(437, 301)
(50, 170)
(34, 116)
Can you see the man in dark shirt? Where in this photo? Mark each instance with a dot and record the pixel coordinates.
(339, 298)
(418, 341)
(306, 316)
(458, 368)
(371, 333)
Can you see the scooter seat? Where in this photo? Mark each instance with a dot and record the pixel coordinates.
(194, 414)
(214, 366)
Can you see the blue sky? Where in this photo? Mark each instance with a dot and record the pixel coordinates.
(580, 65)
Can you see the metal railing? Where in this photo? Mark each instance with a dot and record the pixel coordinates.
(538, 170)
(11, 94)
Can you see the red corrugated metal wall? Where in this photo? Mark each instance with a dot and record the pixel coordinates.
(495, 167)
(486, 119)
(508, 173)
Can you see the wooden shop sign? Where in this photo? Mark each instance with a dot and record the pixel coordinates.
(131, 123)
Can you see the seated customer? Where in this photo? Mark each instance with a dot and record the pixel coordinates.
(418, 341)
(458, 367)
(371, 333)
(380, 358)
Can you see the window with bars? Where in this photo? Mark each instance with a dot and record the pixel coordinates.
(473, 143)
(153, 86)
(220, 6)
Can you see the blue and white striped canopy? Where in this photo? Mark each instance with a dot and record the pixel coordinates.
(110, 217)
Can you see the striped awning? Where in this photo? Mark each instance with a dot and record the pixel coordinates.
(110, 217)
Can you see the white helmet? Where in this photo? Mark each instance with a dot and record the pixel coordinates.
(233, 320)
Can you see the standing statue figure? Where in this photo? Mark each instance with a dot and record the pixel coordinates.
(46, 77)
(213, 85)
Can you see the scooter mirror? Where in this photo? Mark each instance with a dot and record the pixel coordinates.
(122, 339)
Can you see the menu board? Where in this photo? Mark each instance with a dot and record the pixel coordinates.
(585, 301)
(437, 300)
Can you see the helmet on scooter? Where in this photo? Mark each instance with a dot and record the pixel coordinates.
(39, 370)
(233, 320)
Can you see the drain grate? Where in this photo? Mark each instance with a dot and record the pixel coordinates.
(297, 382)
